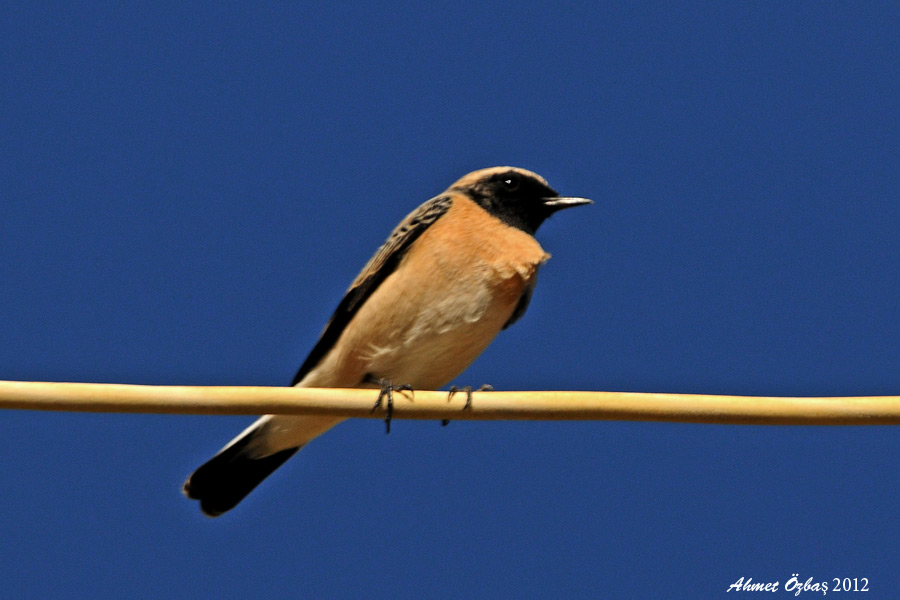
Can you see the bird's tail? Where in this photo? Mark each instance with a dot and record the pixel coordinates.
(226, 479)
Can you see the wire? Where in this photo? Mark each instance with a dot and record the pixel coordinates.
(617, 406)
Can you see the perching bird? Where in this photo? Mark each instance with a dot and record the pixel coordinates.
(454, 272)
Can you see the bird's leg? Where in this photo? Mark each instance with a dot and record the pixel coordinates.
(468, 390)
(387, 391)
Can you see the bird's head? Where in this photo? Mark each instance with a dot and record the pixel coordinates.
(516, 196)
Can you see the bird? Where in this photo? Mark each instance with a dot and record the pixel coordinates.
(454, 273)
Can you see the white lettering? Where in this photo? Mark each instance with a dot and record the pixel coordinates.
(747, 585)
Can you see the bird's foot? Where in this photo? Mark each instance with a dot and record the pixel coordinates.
(387, 392)
(468, 391)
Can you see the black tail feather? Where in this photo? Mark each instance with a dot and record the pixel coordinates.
(226, 479)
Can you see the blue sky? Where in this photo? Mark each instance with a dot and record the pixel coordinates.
(187, 191)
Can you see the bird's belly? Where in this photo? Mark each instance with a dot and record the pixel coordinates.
(443, 341)
(422, 333)
(444, 336)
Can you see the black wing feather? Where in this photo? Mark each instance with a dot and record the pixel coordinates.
(522, 305)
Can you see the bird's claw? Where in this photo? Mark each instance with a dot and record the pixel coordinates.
(468, 391)
(387, 391)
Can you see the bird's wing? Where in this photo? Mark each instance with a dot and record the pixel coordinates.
(522, 305)
(373, 274)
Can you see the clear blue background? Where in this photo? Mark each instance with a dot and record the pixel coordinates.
(185, 193)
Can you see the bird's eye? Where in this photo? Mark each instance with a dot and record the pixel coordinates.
(511, 183)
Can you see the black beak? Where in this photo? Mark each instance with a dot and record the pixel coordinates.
(558, 203)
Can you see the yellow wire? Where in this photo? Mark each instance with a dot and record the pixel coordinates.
(619, 406)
